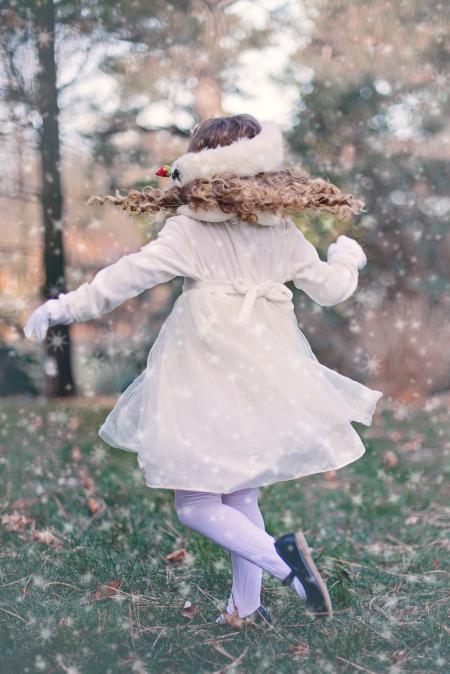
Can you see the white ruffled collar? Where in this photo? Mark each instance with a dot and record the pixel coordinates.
(265, 218)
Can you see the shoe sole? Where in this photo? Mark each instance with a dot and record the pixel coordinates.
(303, 546)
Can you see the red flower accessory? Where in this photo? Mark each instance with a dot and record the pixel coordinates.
(164, 171)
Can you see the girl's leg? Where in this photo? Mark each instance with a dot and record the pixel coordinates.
(247, 577)
(205, 513)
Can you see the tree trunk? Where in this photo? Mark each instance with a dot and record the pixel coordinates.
(58, 367)
(208, 97)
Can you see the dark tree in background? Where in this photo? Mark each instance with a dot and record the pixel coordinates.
(38, 29)
(58, 365)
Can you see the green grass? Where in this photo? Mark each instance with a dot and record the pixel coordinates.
(377, 533)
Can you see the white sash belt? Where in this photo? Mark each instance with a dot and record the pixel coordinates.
(271, 290)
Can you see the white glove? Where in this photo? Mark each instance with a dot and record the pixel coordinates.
(344, 244)
(52, 312)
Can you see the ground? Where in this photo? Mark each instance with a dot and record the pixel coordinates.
(86, 588)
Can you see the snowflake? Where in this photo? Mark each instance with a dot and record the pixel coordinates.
(402, 412)
(357, 499)
(393, 498)
(57, 225)
(94, 224)
(46, 633)
(258, 329)
(57, 341)
(39, 581)
(44, 38)
(373, 364)
(399, 324)
(40, 663)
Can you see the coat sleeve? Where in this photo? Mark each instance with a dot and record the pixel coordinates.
(164, 258)
(327, 283)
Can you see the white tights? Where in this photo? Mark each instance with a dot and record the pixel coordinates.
(234, 521)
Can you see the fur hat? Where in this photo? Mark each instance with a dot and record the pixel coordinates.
(243, 157)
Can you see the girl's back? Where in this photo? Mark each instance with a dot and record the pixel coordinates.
(233, 398)
(233, 395)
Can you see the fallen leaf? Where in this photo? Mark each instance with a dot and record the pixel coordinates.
(398, 656)
(300, 650)
(330, 475)
(75, 454)
(16, 522)
(73, 423)
(47, 538)
(94, 506)
(88, 484)
(37, 423)
(395, 435)
(106, 590)
(390, 459)
(189, 610)
(235, 621)
(22, 503)
(411, 446)
(176, 555)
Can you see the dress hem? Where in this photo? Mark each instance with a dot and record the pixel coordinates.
(261, 484)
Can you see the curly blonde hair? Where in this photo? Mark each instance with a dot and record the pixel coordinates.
(266, 191)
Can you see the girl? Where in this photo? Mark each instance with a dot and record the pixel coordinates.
(233, 397)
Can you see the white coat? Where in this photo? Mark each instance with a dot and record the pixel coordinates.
(232, 395)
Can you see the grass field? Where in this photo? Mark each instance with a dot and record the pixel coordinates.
(85, 588)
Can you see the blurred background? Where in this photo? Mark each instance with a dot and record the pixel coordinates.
(94, 96)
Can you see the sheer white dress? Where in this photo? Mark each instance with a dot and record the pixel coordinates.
(233, 395)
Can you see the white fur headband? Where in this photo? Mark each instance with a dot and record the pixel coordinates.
(244, 157)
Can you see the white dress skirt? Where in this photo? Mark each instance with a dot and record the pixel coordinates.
(232, 396)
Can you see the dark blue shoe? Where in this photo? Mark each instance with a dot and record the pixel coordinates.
(294, 550)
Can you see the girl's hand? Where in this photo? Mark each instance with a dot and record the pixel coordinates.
(347, 245)
(53, 312)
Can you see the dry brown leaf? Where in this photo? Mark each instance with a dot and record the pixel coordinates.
(176, 555)
(399, 656)
(396, 435)
(234, 620)
(390, 459)
(47, 538)
(411, 446)
(330, 475)
(189, 610)
(75, 454)
(94, 506)
(16, 522)
(37, 423)
(73, 423)
(89, 484)
(300, 650)
(22, 503)
(106, 590)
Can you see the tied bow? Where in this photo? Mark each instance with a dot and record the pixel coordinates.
(271, 290)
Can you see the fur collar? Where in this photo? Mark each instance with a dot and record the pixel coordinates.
(244, 157)
(216, 215)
